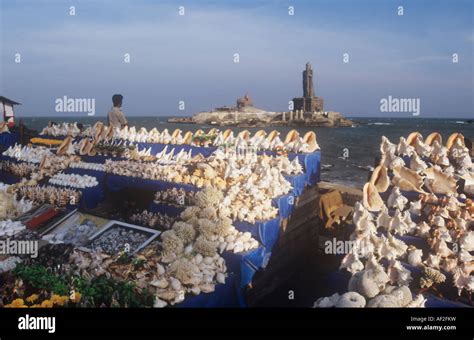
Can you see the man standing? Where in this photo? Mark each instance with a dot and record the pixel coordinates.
(116, 117)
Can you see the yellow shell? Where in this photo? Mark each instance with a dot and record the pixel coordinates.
(407, 179)
(371, 198)
(291, 136)
(434, 136)
(411, 139)
(380, 178)
(453, 138)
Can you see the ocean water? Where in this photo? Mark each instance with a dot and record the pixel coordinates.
(360, 144)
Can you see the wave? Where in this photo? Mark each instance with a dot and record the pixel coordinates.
(460, 122)
(380, 123)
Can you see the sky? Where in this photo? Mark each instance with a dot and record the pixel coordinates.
(190, 58)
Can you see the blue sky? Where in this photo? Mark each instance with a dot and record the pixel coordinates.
(190, 57)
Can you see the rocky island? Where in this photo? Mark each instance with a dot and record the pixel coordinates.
(307, 111)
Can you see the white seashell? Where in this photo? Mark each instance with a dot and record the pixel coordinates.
(175, 283)
(352, 263)
(327, 302)
(415, 257)
(418, 302)
(188, 249)
(160, 269)
(159, 303)
(198, 258)
(220, 277)
(399, 274)
(396, 199)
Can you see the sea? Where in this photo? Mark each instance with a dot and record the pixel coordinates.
(347, 153)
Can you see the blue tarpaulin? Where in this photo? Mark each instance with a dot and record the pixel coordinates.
(226, 295)
(8, 139)
(265, 232)
(117, 182)
(246, 263)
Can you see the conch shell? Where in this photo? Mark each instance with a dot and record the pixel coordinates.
(407, 179)
(291, 136)
(435, 136)
(411, 139)
(64, 146)
(310, 139)
(245, 134)
(188, 137)
(371, 198)
(453, 138)
(380, 178)
(439, 183)
(272, 135)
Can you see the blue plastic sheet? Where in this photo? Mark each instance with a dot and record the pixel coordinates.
(8, 178)
(8, 139)
(298, 183)
(117, 182)
(266, 232)
(246, 263)
(226, 295)
(285, 204)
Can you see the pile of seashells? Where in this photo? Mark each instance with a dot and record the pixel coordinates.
(27, 153)
(213, 138)
(12, 208)
(119, 238)
(63, 129)
(49, 194)
(74, 180)
(174, 196)
(22, 169)
(77, 234)
(87, 166)
(440, 214)
(153, 220)
(10, 228)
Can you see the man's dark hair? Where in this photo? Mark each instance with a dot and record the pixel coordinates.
(117, 100)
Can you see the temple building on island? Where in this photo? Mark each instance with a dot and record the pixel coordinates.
(309, 103)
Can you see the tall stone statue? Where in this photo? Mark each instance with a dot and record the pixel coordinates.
(308, 87)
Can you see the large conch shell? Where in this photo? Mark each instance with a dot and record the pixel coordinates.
(175, 133)
(64, 146)
(83, 146)
(110, 133)
(227, 134)
(453, 138)
(439, 183)
(310, 139)
(99, 130)
(411, 139)
(407, 179)
(371, 198)
(245, 134)
(291, 136)
(380, 179)
(272, 135)
(188, 137)
(435, 136)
